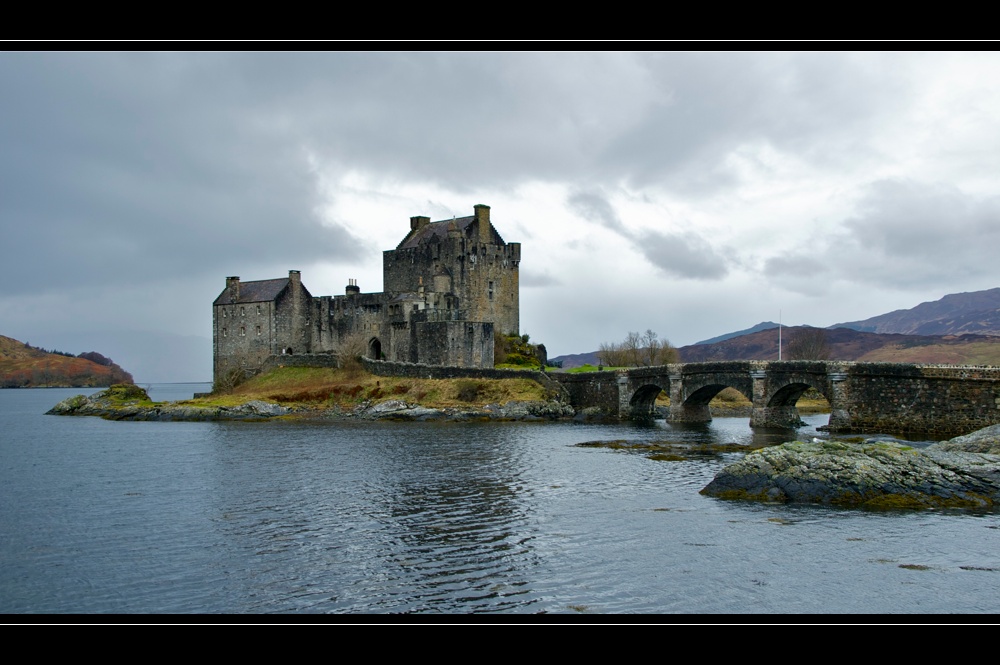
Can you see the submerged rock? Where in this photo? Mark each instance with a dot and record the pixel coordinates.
(962, 472)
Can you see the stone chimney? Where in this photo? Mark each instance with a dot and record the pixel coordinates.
(417, 223)
(295, 277)
(352, 287)
(233, 286)
(484, 234)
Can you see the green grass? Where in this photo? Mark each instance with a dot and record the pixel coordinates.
(591, 368)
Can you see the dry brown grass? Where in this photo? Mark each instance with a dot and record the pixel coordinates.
(323, 387)
(972, 353)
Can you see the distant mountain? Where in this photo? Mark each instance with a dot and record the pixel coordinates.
(977, 313)
(960, 328)
(764, 325)
(24, 366)
(847, 344)
(572, 360)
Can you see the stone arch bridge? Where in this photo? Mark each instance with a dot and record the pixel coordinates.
(945, 400)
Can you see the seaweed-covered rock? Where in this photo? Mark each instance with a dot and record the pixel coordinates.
(878, 474)
(130, 402)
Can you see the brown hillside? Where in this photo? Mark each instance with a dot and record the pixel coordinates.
(977, 312)
(846, 344)
(24, 367)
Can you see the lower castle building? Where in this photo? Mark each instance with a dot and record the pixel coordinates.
(448, 287)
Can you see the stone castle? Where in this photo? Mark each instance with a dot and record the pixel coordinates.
(448, 286)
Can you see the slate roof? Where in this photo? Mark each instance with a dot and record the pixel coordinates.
(264, 290)
(435, 231)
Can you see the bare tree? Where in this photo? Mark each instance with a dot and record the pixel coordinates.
(352, 348)
(655, 351)
(637, 350)
(610, 354)
(632, 347)
(808, 344)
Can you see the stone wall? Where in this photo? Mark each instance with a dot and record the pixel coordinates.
(418, 370)
(591, 390)
(940, 400)
(455, 343)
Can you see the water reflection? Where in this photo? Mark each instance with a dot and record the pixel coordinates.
(147, 517)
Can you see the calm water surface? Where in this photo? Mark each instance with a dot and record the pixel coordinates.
(105, 517)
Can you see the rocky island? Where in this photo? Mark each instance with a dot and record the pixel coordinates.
(963, 472)
(327, 394)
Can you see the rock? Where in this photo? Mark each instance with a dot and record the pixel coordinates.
(986, 440)
(390, 406)
(259, 408)
(134, 404)
(877, 474)
(529, 410)
(127, 402)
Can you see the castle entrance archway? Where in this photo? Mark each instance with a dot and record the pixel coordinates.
(375, 348)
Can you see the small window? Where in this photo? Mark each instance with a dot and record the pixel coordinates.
(258, 330)
(491, 290)
(243, 331)
(243, 311)
(223, 313)
(258, 311)
(224, 332)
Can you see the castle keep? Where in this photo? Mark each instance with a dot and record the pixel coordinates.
(448, 286)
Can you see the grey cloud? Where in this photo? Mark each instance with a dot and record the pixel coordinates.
(138, 167)
(682, 255)
(909, 235)
(822, 106)
(677, 254)
(176, 160)
(802, 272)
(531, 279)
(595, 208)
(906, 235)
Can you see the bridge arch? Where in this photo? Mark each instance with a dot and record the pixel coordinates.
(789, 392)
(643, 399)
(706, 393)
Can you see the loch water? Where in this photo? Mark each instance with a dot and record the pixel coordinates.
(442, 518)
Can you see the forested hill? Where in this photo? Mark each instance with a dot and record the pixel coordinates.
(24, 366)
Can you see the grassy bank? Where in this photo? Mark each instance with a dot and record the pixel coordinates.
(324, 388)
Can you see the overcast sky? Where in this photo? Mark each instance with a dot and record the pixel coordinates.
(691, 193)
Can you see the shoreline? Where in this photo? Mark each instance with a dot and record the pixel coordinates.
(132, 403)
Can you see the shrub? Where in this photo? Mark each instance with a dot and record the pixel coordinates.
(468, 390)
(352, 348)
(229, 380)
